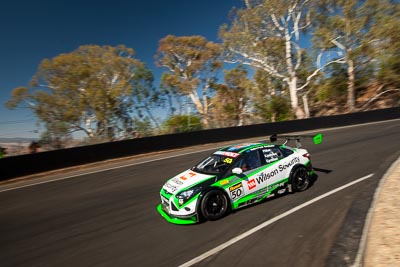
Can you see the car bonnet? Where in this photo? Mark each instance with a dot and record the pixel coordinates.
(184, 180)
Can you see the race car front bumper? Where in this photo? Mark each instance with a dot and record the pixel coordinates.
(170, 209)
(189, 220)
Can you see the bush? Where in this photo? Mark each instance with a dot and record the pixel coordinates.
(182, 123)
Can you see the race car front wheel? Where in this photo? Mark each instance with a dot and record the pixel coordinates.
(300, 179)
(214, 205)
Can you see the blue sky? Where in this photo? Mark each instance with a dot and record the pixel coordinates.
(33, 30)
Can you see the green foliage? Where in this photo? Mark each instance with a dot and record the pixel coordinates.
(230, 102)
(351, 27)
(335, 87)
(182, 123)
(92, 89)
(270, 100)
(3, 152)
(55, 136)
(267, 84)
(173, 96)
(274, 108)
(192, 64)
(253, 37)
(142, 128)
(108, 94)
(387, 49)
(389, 69)
(267, 35)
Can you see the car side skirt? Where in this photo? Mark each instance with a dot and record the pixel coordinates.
(257, 197)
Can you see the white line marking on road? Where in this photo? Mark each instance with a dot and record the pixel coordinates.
(266, 223)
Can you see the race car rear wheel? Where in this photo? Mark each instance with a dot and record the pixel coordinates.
(214, 205)
(300, 179)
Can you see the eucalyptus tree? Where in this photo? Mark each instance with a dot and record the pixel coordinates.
(271, 35)
(94, 89)
(344, 26)
(145, 97)
(175, 100)
(192, 63)
(386, 51)
(231, 101)
(270, 98)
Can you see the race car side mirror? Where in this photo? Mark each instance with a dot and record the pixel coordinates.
(273, 138)
(237, 171)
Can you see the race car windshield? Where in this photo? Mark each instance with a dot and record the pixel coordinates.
(214, 164)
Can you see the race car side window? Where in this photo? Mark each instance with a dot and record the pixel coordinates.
(272, 154)
(286, 151)
(249, 161)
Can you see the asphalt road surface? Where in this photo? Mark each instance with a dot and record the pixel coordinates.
(109, 218)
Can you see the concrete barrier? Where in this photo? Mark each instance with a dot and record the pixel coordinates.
(12, 167)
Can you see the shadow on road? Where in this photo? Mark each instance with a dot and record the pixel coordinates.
(322, 170)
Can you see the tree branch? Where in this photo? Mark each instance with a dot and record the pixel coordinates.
(48, 86)
(338, 44)
(268, 68)
(339, 61)
(276, 23)
(297, 29)
(377, 96)
(299, 59)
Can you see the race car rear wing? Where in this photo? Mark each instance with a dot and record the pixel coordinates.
(316, 138)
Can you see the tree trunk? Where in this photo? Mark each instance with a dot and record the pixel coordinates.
(88, 129)
(273, 117)
(241, 112)
(294, 101)
(350, 86)
(150, 114)
(203, 111)
(205, 122)
(306, 108)
(205, 107)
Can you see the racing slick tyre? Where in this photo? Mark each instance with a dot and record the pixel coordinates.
(300, 180)
(214, 205)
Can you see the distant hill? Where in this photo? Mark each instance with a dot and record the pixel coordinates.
(17, 140)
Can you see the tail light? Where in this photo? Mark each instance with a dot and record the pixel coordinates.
(307, 155)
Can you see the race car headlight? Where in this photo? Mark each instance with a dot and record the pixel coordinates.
(184, 196)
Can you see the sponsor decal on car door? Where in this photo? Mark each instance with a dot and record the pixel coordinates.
(267, 177)
(255, 181)
(275, 173)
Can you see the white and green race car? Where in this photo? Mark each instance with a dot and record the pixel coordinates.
(234, 177)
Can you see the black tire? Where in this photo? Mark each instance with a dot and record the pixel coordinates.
(300, 180)
(214, 205)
